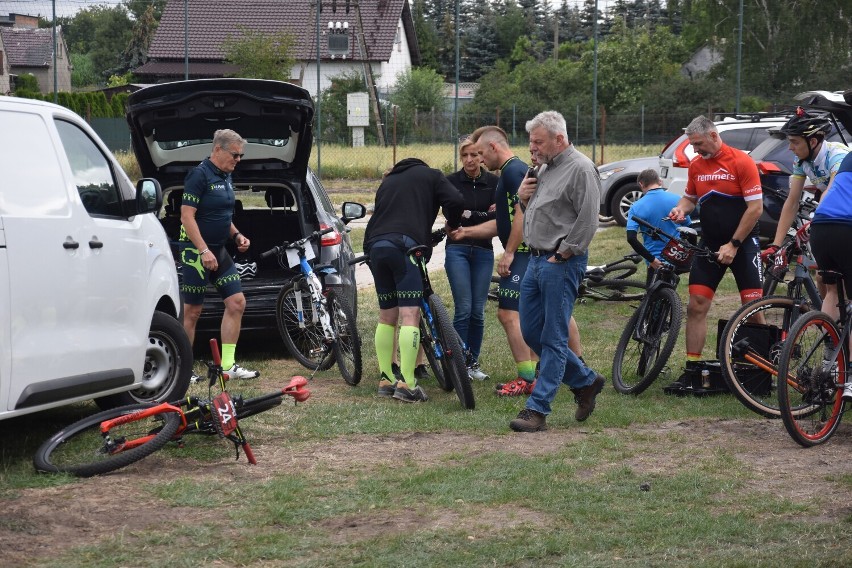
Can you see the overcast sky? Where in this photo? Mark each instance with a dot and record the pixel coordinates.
(69, 7)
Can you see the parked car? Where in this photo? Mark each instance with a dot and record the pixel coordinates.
(90, 292)
(278, 197)
(744, 133)
(619, 187)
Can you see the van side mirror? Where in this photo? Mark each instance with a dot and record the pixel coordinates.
(352, 211)
(149, 196)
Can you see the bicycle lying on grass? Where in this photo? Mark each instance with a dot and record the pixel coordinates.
(752, 340)
(651, 332)
(438, 337)
(815, 365)
(317, 325)
(608, 282)
(116, 438)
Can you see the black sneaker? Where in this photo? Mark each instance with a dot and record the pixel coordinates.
(421, 373)
(529, 421)
(405, 394)
(386, 387)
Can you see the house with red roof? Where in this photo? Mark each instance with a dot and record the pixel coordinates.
(197, 29)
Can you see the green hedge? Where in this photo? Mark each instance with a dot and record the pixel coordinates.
(87, 105)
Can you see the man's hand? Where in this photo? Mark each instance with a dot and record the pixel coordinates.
(505, 263)
(242, 242)
(768, 253)
(726, 254)
(455, 234)
(656, 265)
(527, 188)
(677, 215)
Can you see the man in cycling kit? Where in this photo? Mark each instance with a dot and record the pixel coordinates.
(725, 182)
(816, 161)
(406, 207)
(653, 207)
(206, 216)
(831, 233)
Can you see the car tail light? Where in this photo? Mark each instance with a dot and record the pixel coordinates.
(330, 239)
(765, 168)
(680, 156)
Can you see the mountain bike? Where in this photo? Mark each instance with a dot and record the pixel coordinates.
(608, 282)
(118, 437)
(438, 337)
(815, 364)
(751, 341)
(651, 332)
(317, 325)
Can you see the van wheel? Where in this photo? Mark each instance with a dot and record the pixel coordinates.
(168, 366)
(627, 195)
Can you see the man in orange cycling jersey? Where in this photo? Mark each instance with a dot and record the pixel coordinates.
(725, 183)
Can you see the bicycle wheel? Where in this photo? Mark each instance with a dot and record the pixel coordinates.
(749, 352)
(452, 362)
(428, 344)
(251, 407)
(612, 290)
(80, 448)
(810, 398)
(647, 343)
(347, 348)
(305, 340)
(620, 270)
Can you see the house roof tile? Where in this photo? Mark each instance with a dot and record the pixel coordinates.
(29, 47)
(213, 21)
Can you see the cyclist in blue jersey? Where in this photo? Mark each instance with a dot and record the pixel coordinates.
(816, 161)
(831, 233)
(206, 216)
(653, 207)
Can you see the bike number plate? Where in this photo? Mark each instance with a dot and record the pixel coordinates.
(224, 413)
(293, 256)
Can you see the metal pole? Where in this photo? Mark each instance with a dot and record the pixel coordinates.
(739, 55)
(186, 40)
(456, 99)
(643, 125)
(319, 110)
(595, 88)
(55, 86)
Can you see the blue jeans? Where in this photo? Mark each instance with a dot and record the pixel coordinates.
(548, 291)
(469, 271)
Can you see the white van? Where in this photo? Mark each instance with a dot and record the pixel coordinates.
(89, 295)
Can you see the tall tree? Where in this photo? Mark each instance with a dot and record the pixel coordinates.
(259, 55)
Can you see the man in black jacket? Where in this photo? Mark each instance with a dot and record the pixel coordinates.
(406, 207)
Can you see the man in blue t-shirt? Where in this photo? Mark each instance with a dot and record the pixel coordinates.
(206, 216)
(654, 207)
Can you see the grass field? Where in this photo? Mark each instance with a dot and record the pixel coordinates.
(348, 479)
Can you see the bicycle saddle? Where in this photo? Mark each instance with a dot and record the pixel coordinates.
(419, 250)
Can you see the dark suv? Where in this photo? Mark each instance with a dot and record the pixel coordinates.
(278, 197)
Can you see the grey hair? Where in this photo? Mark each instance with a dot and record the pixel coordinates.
(700, 125)
(225, 137)
(551, 121)
(648, 176)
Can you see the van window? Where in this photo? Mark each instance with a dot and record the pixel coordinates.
(32, 178)
(92, 172)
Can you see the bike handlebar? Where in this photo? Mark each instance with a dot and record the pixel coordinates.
(359, 259)
(296, 244)
(656, 231)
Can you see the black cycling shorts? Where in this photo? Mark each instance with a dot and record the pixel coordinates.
(194, 276)
(829, 243)
(510, 286)
(396, 276)
(705, 275)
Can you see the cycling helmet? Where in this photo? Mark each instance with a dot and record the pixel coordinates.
(804, 124)
(246, 269)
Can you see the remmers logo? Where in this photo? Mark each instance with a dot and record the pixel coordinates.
(719, 175)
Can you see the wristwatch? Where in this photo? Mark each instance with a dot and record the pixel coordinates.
(558, 257)
(737, 243)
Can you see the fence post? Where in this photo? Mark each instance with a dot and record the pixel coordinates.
(514, 130)
(577, 126)
(643, 125)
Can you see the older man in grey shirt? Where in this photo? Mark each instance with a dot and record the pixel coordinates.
(560, 219)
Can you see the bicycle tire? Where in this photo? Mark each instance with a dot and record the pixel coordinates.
(74, 448)
(305, 343)
(428, 344)
(645, 346)
(250, 407)
(744, 378)
(452, 362)
(621, 270)
(347, 346)
(812, 407)
(612, 290)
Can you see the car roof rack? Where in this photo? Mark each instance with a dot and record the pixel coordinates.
(751, 116)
